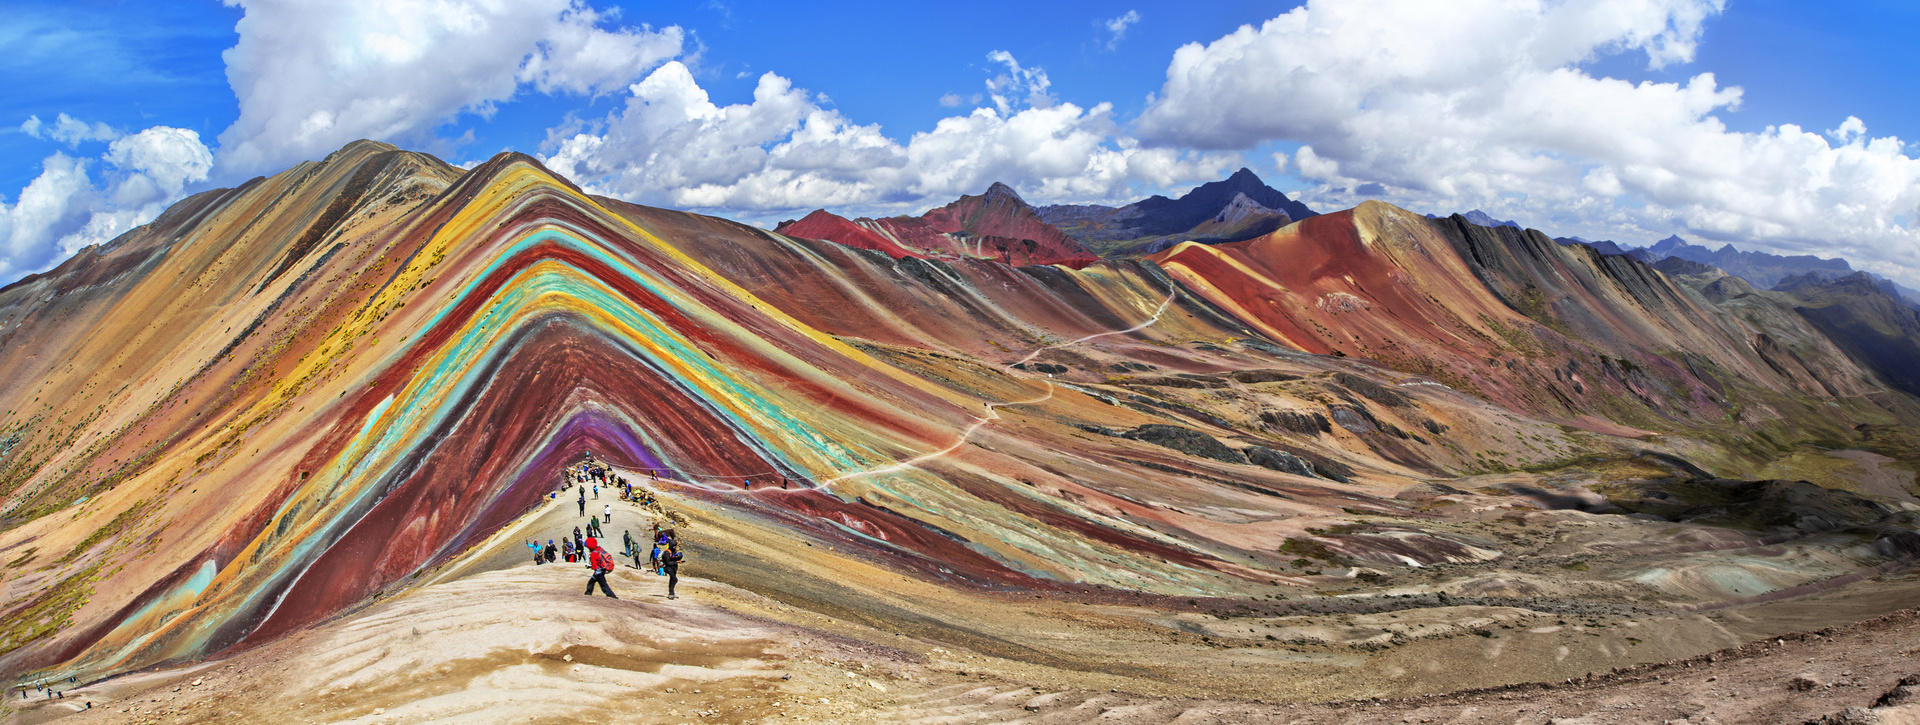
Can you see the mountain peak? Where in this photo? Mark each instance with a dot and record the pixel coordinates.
(1002, 191)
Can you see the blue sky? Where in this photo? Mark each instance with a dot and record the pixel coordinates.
(852, 66)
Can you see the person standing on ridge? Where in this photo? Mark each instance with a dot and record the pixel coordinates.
(601, 564)
(670, 563)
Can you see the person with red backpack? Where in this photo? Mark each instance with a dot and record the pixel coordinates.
(602, 564)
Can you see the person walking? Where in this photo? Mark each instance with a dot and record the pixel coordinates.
(583, 501)
(551, 552)
(606, 514)
(601, 564)
(596, 492)
(670, 563)
(579, 542)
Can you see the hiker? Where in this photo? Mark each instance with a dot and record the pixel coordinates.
(631, 549)
(579, 543)
(566, 549)
(596, 492)
(606, 514)
(653, 560)
(783, 483)
(538, 558)
(670, 563)
(601, 564)
(747, 484)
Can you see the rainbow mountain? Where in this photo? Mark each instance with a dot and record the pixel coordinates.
(279, 402)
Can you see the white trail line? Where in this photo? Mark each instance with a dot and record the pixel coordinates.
(993, 414)
(993, 409)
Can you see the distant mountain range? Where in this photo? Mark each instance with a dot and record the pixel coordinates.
(1238, 208)
(1001, 226)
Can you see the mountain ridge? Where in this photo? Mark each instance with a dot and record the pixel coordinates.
(280, 402)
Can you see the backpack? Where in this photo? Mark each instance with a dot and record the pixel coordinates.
(600, 560)
(672, 557)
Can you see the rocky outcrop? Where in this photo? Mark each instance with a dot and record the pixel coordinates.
(1186, 440)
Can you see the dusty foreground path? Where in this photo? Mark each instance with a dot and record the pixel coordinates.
(523, 645)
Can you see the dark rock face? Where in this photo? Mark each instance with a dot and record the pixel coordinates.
(1372, 391)
(1186, 440)
(1303, 423)
(1252, 377)
(1281, 461)
(1864, 319)
(1352, 420)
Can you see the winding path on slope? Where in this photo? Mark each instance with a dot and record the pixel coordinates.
(992, 414)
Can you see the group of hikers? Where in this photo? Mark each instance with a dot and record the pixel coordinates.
(584, 546)
(52, 694)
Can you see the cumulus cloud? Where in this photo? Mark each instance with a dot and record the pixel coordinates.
(313, 75)
(1117, 28)
(671, 145)
(68, 130)
(1485, 103)
(64, 209)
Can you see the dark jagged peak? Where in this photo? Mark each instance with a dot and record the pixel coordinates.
(999, 191)
(1236, 208)
(1486, 220)
(1207, 199)
(1668, 245)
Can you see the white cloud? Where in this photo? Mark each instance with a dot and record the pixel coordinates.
(68, 130)
(313, 75)
(63, 210)
(671, 145)
(1117, 28)
(1447, 119)
(1018, 86)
